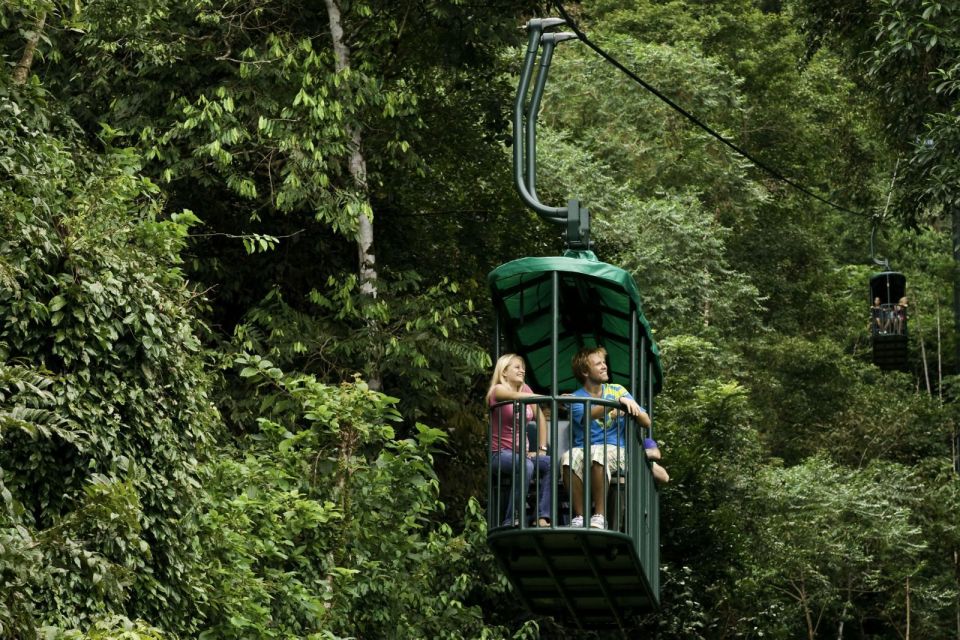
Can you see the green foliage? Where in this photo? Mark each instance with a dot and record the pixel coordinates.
(707, 431)
(243, 119)
(110, 628)
(678, 252)
(938, 500)
(833, 539)
(909, 52)
(804, 480)
(318, 525)
(422, 345)
(664, 219)
(104, 405)
(635, 134)
(814, 398)
(914, 61)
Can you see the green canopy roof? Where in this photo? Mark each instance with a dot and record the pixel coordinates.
(595, 303)
(889, 286)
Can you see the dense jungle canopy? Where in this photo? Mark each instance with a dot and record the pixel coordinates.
(245, 329)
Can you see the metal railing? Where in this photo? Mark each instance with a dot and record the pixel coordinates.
(630, 497)
(888, 320)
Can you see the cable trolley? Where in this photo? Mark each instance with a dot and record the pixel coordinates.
(547, 308)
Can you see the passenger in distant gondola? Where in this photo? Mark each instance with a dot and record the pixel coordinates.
(900, 316)
(607, 436)
(510, 441)
(876, 316)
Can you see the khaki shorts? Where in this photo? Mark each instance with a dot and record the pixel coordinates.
(616, 458)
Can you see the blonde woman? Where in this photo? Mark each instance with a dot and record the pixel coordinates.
(509, 434)
(900, 317)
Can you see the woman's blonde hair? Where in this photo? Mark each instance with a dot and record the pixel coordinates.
(498, 370)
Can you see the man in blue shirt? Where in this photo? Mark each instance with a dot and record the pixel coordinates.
(607, 434)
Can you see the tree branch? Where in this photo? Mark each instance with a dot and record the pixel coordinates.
(22, 70)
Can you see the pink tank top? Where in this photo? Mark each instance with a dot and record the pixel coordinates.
(501, 421)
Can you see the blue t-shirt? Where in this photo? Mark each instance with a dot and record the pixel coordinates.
(612, 430)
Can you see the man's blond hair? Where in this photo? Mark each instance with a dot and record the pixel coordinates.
(580, 365)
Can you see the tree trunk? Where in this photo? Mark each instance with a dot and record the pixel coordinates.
(923, 350)
(843, 614)
(22, 70)
(807, 614)
(955, 454)
(358, 171)
(956, 577)
(956, 282)
(939, 358)
(907, 637)
(358, 165)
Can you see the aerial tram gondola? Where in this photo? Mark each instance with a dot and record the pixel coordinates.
(888, 319)
(546, 309)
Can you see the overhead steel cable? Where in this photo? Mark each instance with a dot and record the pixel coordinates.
(696, 121)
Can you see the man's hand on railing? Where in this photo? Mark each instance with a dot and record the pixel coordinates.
(634, 409)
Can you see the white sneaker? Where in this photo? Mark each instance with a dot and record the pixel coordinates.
(597, 521)
(577, 521)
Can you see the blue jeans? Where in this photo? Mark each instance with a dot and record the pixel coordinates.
(504, 462)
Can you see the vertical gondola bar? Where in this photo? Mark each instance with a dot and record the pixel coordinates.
(587, 468)
(633, 497)
(493, 504)
(554, 392)
(653, 563)
(646, 495)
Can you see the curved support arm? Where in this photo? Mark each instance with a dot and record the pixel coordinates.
(532, 109)
(883, 262)
(535, 28)
(549, 42)
(576, 218)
